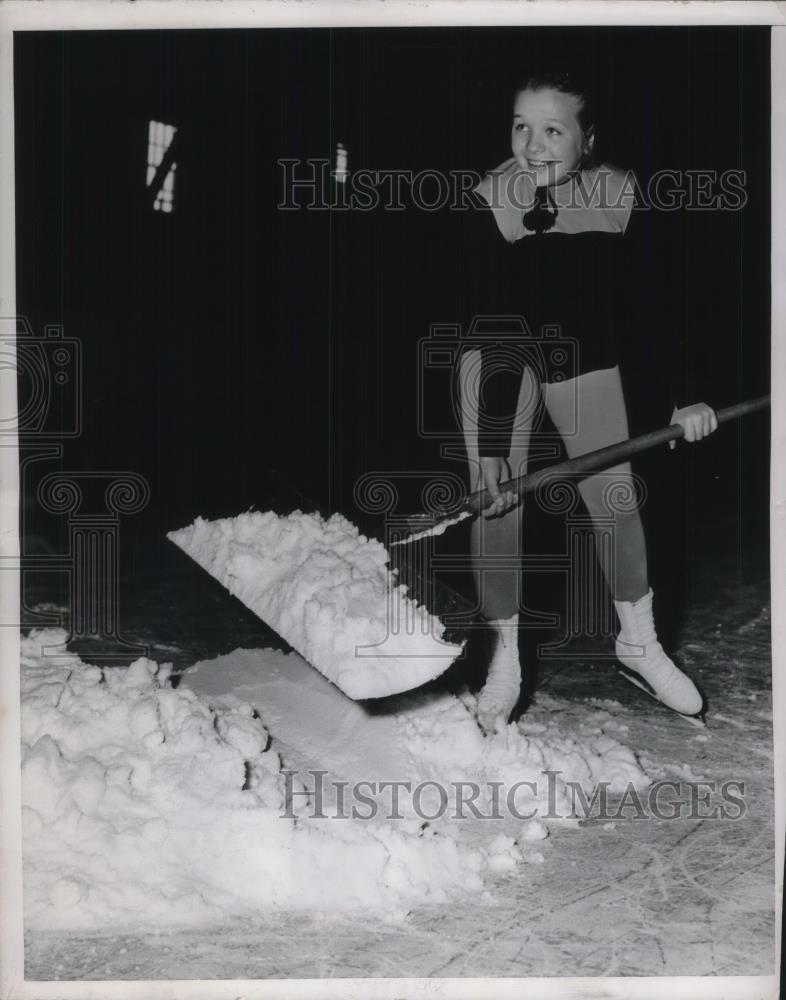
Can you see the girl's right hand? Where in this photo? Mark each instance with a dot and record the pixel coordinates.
(496, 470)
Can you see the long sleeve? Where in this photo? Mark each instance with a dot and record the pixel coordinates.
(692, 343)
(501, 374)
(669, 280)
(485, 294)
(662, 353)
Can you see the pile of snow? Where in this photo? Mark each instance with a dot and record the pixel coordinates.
(328, 591)
(446, 738)
(144, 807)
(146, 804)
(425, 738)
(545, 765)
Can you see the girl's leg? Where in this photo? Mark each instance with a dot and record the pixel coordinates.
(496, 542)
(496, 547)
(589, 412)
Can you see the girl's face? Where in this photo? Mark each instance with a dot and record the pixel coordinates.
(546, 137)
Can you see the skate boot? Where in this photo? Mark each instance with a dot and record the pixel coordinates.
(500, 693)
(638, 649)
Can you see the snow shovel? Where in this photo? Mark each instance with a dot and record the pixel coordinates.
(437, 520)
(384, 673)
(330, 593)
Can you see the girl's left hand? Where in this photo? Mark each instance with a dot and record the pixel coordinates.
(697, 421)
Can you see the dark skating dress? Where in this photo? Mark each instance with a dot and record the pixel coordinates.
(580, 296)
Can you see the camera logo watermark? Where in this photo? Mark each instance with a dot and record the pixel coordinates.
(85, 550)
(462, 366)
(459, 368)
(48, 369)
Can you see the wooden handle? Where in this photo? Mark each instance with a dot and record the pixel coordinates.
(604, 457)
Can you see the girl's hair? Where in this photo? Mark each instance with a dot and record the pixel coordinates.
(566, 82)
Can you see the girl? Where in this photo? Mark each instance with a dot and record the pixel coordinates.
(549, 241)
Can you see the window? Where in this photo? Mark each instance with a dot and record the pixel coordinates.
(160, 155)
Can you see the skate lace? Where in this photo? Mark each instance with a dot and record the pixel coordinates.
(503, 682)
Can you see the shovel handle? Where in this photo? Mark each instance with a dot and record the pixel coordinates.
(605, 457)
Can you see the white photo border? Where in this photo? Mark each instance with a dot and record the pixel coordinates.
(20, 15)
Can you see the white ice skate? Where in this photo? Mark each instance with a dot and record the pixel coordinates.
(500, 693)
(647, 664)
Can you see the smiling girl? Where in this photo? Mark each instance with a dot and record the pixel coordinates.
(548, 242)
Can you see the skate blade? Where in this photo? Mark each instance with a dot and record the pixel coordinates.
(698, 720)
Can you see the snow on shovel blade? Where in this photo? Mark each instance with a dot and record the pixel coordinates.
(326, 590)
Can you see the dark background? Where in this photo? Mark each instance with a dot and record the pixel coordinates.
(234, 353)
